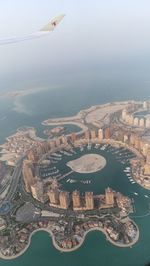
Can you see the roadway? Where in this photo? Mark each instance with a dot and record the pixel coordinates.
(15, 180)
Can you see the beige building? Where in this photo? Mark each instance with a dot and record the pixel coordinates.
(76, 199)
(146, 169)
(44, 147)
(148, 157)
(125, 138)
(53, 195)
(64, 140)
(130, 119)
(145, 104)
(124, 113)
(93, 134)
(107, 133)
(32, 155)
(147, 165)
(87, 134)
(137, 143)
(37, 190)
(89, 200)
(136, 121)
(142, 122)
(64, 199)
(100, 134)
(57, 142)
(52, 144)
(132, 139)
(145, 148)
(127, 119)
(73, 137)
(147, 123)
(109, 196)
(28, 178)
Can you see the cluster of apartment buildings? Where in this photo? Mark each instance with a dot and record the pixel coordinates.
(57, 198)
(16, 146)
(140, 144)
(129, 115)
(34, 184)
(64, 200)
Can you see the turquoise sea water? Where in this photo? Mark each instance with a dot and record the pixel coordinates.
(96, 251)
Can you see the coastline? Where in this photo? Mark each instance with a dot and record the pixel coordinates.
(140, 184)
(121, 245)
(78, 124)
(88, 115)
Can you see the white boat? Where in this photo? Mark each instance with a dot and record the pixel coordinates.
(102, 148)
(135, 193)
(73, 181)
(146, 196)
(96, 146)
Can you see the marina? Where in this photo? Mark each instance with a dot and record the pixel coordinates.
(70, 178)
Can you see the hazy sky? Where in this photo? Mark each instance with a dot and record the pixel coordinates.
(95, 36)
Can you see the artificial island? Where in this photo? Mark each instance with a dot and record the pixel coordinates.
(35, 173)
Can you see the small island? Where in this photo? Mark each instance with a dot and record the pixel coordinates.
(88, 163)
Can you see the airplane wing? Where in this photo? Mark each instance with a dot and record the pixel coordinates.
(41, 33)
(53, 23)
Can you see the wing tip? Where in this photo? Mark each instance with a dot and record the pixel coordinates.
(53, 23)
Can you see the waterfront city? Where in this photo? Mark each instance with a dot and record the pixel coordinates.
(33, 170)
